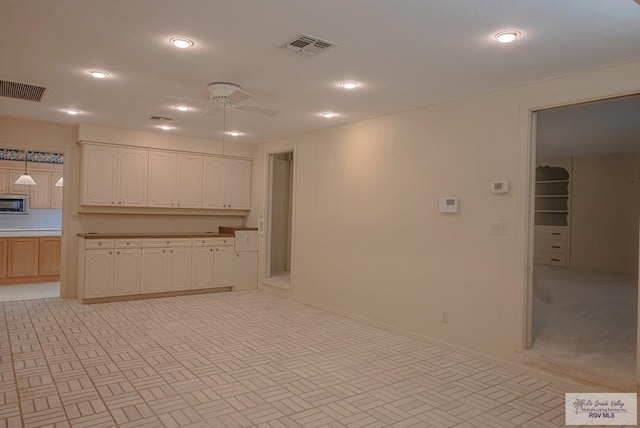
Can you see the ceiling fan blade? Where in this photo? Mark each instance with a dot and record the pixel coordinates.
(238, 96)
(186, 99)
(259, 110)
(210, 112)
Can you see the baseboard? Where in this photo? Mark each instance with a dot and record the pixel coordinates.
(154, 295)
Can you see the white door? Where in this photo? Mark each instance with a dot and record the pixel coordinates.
(126, 279)
(223, 267)
(245, 275)
(98, 175)
(202, 267)
(40, 194)
(56, 191)
(214, 183)
(179, 269)
(154, 272)
(189, 181)
(132, 177)
(239, 187)
(98, 274)
(162, 173)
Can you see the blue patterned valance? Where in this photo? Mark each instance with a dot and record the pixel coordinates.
(39, 157)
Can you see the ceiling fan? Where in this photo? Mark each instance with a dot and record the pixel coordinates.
(224, 96)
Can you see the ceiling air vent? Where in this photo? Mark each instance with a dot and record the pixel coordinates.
(21, 91)
(308, 44)
(161, 118)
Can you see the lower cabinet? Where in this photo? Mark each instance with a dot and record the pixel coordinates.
(29, 259)
(245, 275)
(23, 257)
(115, 267)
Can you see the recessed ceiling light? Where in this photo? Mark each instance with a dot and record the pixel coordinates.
(72, 112)
(507, 36)
(181, 42)
(234, 133)
(349, 84)
(99, 74)
(182, 108)
(165, 127)
(328, 114)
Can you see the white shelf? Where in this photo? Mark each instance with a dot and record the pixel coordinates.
(552, 211)
(552, 196)
(551, 181)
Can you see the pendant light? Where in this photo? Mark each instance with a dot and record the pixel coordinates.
(26, 179)
(59, 183)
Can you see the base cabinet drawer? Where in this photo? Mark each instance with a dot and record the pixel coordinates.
(550, 246)
(551, 232)
(545, 258)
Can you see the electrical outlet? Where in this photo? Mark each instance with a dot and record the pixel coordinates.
(75, 216)
(499, 228)
(445, 317)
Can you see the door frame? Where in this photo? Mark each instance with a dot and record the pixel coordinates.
(529, 119)
(265, 222)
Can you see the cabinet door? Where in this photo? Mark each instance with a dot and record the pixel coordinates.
(40, 194)
(239, 185)
(98, 273)
(189, 181)
(3, 257)
(154, 272)
(17, 189)
(132, 177)
(245, 275)
(4, 181)
(49, 256)
(23, 257)
(126, 278)
(214, 183)
(162, 174)
(56, 191)
(99, 175)
(202, 267)
(223, 267)
(179, 269)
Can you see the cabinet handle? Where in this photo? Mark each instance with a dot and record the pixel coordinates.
(555, 260)
(178, 203)
(237, 255)
(110, 252)
(128, 243)
(119, 202)
(171, 251)
(171, 203)
(555, 233)
(167, 242)
(118, 252)
(164, 251)
(217, 249)
(211, 249)
(555, 246)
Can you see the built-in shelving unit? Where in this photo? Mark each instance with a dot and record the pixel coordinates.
(552, 213)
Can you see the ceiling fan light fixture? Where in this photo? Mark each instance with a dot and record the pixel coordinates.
(97, 74)
(507, 36)
(181, 42)
(182, 108)
(165, 127)
(349, 84)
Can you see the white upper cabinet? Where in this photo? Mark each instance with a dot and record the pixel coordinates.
(162, 173)
(239, 184)
(215, 183)
(189, 181)
(132, 177)
(99, 175)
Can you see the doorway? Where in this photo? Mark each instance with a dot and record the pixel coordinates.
(279, 219)
(584, 298)
(30, 240)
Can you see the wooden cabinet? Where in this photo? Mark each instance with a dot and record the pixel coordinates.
(56, 191)
(126, 273)
(49, 249)
(40, 194)
(99, 175)
(131, 177)
(4, 181)
(3, 257)
(223, 266)
(19, 189)
(98, 273)
(23, 257)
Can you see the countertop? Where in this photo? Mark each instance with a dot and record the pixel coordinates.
(154, 235)
(21, 233)
(232, 229)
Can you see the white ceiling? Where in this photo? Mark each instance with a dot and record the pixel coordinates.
(590, 129)
(407, 54)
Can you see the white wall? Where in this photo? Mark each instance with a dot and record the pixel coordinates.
(605, 212)
(41, 136)
(369, 240)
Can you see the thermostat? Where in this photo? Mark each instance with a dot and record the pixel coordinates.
(499, 186)
(449, 205)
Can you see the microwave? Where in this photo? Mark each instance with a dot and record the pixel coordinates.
(14, 204)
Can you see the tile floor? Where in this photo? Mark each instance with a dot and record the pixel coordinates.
(244, 359)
